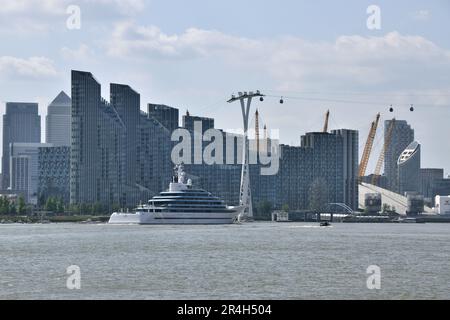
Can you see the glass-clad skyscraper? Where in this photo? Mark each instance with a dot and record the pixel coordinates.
(21, 123)
(402, 136)
(98, 151)
(58, 121)
(167, 116)
(105, 150)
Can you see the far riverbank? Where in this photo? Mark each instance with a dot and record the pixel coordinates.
(54, 219)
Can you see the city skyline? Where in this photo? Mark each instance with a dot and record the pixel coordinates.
(61, 100)
(119, 155)
(258, 151)
(338, 68)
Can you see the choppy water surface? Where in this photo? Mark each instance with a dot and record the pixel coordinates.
(248, 261)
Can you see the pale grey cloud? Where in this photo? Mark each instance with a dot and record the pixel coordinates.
(393, 61)
(21, 6)
(33, 67)
(129, 39)
(41, 16)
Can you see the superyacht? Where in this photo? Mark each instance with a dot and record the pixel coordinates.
(180, 204)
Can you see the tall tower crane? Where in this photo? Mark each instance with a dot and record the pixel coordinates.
(257, 131)
(387, 142)
(368, 147)
(327, 117)
(265, 139)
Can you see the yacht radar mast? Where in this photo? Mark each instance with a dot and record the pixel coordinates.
(179, 173)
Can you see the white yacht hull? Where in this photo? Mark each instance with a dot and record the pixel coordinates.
(143, 217)
(180, 204)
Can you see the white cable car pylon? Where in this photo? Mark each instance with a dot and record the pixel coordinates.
(245, 194)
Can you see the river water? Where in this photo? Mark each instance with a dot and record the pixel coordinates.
(248, 261)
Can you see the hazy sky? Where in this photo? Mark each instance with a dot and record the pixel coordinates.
(194, 54)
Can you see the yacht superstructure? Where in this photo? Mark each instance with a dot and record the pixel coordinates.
(182, 203)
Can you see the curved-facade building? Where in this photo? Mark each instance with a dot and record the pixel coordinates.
(409, 169)
(402, 136)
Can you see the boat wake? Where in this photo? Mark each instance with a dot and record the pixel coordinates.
(312, 227)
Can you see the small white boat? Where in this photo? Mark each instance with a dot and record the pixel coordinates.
(408, 220)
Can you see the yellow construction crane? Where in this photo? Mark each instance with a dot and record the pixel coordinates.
(368, 147)
(387, 142)
(327, 117)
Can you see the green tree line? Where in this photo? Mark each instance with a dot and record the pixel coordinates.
(54, 205)
(8, 207)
